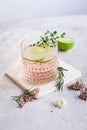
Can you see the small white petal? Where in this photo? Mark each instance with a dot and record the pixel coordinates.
(60, 103)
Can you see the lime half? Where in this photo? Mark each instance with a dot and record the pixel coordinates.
(65, 43)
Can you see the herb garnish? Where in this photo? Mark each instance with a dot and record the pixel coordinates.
(27, 96)
(60, 79)
(63, 34)
(49, 39)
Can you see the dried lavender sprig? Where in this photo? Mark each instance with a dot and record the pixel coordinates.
(77, 85)
(26, 97)
(83, 94)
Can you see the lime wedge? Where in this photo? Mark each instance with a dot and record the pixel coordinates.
(65, 43)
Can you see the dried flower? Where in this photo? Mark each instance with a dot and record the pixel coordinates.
(83, 94)
(77, 86)
(60, 103)
(26, 97)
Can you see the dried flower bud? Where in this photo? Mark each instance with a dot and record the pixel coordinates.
(83, 94)
(77, 86)
(26, 97)
(60, 103)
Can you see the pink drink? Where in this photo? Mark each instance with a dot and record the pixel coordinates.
(39, 73)
(40, 64)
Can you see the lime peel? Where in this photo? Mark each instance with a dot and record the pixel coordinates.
(65, 43)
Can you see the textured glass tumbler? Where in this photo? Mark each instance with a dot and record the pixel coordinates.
(39, 71)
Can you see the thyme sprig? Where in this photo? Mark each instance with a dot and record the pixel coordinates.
(49, 38)
(63, 34)
(60, 79)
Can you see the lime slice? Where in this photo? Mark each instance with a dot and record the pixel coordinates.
(35, 49)
(65, 43)
(37, 54)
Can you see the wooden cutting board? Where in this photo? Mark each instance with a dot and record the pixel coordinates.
(16, 73)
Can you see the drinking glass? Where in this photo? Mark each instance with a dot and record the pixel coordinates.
(40, 66)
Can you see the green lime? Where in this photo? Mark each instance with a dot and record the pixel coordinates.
(65, 43)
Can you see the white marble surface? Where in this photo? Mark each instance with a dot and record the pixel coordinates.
(37, 115)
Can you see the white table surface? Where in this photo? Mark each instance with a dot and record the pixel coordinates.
(37, 115)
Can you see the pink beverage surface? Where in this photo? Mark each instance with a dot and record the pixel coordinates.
(39, 73)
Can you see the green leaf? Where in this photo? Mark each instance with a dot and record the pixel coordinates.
(63, 34)
(61, 69)
(47, 32)
(60, 79)
(55, 32)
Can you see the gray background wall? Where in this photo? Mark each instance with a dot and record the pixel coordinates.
(30, 9)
